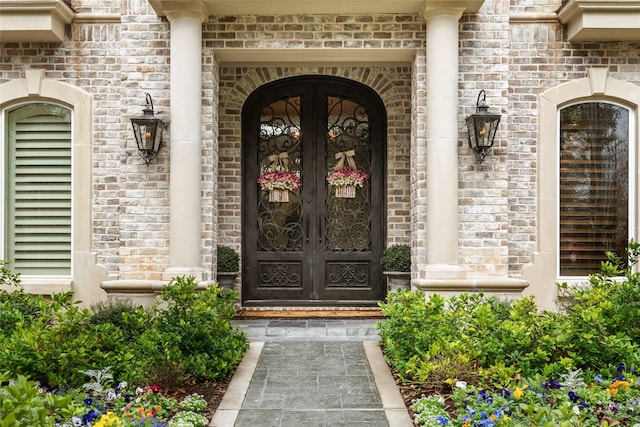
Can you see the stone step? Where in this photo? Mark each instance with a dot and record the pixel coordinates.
(267, 330)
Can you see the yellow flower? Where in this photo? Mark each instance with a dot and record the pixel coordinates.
(109, 420)
(518, 393)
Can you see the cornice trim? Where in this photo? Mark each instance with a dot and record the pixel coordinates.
(601, 20)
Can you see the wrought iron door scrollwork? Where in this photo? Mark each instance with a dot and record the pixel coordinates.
(348, 220)
(348, 275)
(280, 148)
(279, 275)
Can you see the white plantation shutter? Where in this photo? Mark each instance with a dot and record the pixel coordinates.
(38, 237)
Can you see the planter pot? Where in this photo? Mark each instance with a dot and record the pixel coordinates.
(397, 280)
(346, 191)
(227, 280)
(281, 196)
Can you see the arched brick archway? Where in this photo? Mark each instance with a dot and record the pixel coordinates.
(393, 85)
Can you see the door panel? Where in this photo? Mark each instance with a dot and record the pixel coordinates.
(311, 246)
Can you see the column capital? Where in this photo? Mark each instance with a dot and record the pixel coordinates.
(180, 9)
(434, 8)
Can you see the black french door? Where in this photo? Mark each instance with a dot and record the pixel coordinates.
(309, 242)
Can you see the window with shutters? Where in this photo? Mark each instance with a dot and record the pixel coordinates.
(37, 189)
(594, 185)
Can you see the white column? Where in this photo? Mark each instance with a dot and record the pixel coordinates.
(442, 142)
(185, 130)
(443, 274)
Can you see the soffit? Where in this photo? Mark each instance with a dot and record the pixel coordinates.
(309, 7)
(295, 7)
(601, 20)
(34, 20)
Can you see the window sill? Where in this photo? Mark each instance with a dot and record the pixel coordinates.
(43, 285)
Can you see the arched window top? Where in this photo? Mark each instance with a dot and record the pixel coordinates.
(611, 94)
(593, 186)
(38, 198)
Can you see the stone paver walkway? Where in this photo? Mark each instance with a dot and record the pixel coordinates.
(309, 373)
(312, 384)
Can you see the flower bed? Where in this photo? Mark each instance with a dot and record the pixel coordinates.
(480, 361)
(573, 401)
(187, 340)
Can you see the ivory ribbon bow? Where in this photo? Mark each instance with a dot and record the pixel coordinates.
(278, 161)
(342, 155)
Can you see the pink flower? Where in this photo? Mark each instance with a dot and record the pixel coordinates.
(347, 176)
(279, 180)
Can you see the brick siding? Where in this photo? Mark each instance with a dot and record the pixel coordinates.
(118, 62)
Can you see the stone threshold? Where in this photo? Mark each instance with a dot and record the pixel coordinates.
(275, 313)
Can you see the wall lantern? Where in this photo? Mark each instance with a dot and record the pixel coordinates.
(482, 128)
(148, 132)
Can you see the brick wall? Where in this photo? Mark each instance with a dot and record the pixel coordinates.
(505, 50)
(315, 31)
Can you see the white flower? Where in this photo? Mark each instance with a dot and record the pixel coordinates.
(576, 410)
(139, 390)
(461, 384)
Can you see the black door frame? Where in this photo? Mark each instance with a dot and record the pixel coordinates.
(308, 86)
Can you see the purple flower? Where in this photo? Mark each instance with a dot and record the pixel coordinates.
(443, 421)
(505, 393)
(89, 416)
(620, 370)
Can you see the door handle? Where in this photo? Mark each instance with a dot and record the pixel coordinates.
(305, 225)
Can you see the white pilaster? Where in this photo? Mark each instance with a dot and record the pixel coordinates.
(185, 156)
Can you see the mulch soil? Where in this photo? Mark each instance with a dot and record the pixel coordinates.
(211, 391)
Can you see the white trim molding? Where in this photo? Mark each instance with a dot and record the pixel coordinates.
(34, 20)
(86, 273)
(542, 274)
(601, 20)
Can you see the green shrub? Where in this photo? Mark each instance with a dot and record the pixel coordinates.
(189, 336)
(468, 337)
(196, 331)
(123, 314)
(61, 342)
(601, 322)
(15, 304)
(228, 260)
(396, 258)
(21, 404)
(475, 337)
